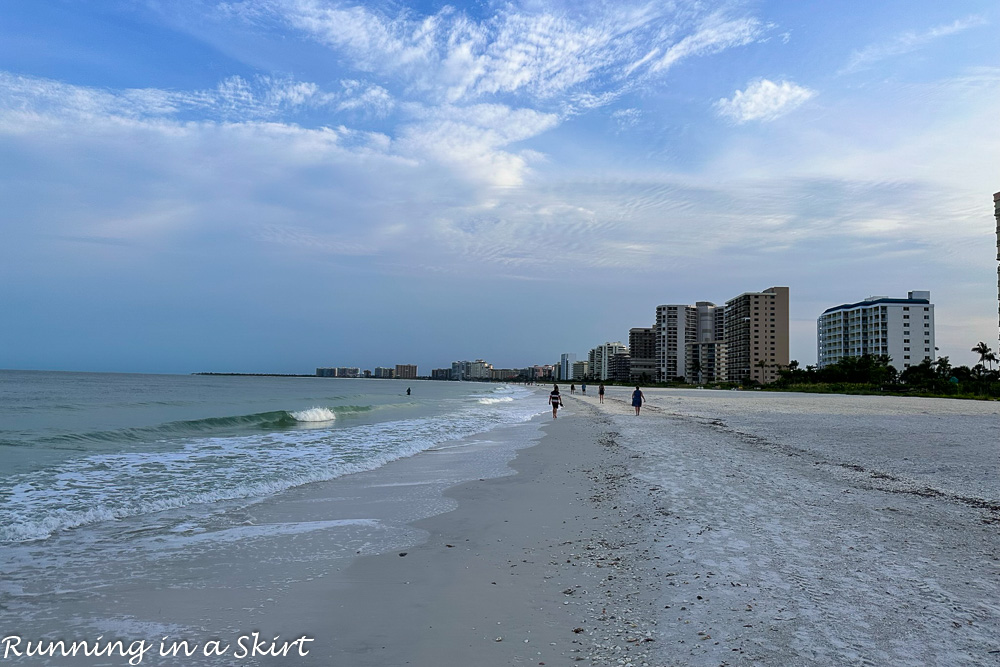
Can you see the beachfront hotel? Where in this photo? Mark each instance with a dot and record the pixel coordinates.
(903, 329)
(756, 335)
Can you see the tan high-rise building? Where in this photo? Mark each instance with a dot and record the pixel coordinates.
(406, 371)
(757, 335)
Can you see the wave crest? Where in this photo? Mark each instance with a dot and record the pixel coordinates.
(314, 415)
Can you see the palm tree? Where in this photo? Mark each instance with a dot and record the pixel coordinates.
(761, 365)
(990, 357)
(984, 352)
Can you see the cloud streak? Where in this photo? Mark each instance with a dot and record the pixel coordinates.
(907, 42)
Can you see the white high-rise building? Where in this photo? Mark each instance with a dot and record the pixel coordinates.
(690, 342)
(903, 329)
(676, 326)
(566, 362)
(599, 359)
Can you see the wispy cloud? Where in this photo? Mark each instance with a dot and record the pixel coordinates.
(907, 42)
(234, 98)
(715, 35)
(763, 100)
(538, 53)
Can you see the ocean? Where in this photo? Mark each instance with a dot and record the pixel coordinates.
(171, 480)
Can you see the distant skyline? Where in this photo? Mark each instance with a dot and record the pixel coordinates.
(277, 185)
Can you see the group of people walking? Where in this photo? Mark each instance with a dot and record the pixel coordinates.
(555, 398)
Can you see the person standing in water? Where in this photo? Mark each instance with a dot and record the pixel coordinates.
(637, 399)
(555, 400)
(407, 391)
(600, 392)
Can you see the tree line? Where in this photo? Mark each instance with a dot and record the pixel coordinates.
(875, 373)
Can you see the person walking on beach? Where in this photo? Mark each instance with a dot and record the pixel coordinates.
(637, 399)
(600, 392)
(584, 387)
(555, 400)
(572, 388)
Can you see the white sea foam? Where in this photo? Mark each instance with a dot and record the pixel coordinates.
(314, 415)
(110, 487)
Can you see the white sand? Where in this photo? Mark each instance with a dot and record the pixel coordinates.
(717, 528)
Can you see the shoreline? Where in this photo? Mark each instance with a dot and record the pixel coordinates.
(516, 574)
(737, 528)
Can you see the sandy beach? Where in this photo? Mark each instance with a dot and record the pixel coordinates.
(716, 528)
(705, 533)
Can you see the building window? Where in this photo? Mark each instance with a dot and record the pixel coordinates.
(906, 356)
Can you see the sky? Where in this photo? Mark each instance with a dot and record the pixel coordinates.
(276, 185)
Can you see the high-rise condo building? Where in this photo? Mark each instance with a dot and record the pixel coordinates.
(903, 329)
(690, 343)
(705, 357)
(756, 330)
(406, 371)
(566, 362)
(642, 348)
(676, 326)
(599, 359)
(996, 212)
(580, 370)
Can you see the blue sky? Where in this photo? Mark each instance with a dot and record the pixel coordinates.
(275, 185)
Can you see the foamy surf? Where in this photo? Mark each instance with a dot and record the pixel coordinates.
(314, 415)
(491, 401)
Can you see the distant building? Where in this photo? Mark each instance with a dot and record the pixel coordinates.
(642, 348)
(599, 359)
(339, 372)
(441, 374)
(471, 370)
(996, 212)
(676, 326)
(504, 373)
(620, 367)
(705, 357)
(382, 372)
(756, 330)
(903, 329)
(406, 371)
(566, 362)
(581, 369)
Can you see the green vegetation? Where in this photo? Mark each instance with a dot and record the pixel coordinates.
(870, 374)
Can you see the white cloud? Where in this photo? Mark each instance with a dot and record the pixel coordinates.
(763, 100)
(713, 36)
(907, 42)
(540, 53)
